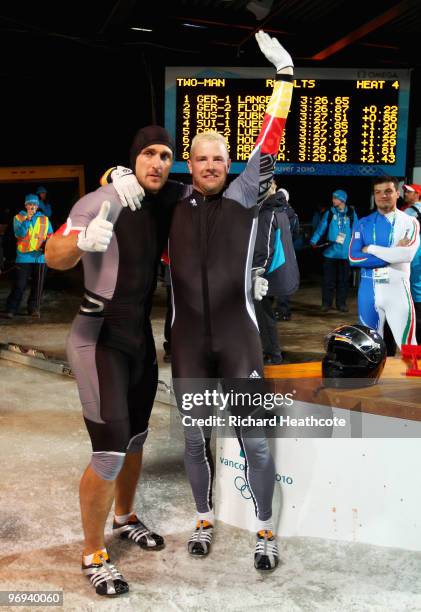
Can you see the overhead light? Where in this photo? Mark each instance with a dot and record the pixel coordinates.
(195, 25)
(142, 29)
(260, 8)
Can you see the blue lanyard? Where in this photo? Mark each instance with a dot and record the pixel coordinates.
(391, 233)
(342, 217)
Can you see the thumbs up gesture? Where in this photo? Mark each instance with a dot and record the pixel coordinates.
(97, 236)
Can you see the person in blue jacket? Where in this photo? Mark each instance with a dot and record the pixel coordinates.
(414, 210)
(44, 205)
(335, 229)
(383, 245)
(32, 228)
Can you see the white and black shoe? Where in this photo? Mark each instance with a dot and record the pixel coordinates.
(137, 531)
(104, 576)
(201, 539)
(266, 556)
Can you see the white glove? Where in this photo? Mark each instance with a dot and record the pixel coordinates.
(260, 285)
(97, 236)
(274, 51)
(129, 191)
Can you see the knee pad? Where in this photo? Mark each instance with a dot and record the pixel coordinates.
(107, 465)
(136, 443)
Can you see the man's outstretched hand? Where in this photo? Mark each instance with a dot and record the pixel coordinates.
(97, 236)
(129, 191)
(274, 51)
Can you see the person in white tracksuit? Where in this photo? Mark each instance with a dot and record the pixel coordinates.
(383, 245)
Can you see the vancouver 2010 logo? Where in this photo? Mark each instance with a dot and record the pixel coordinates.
(242, 487)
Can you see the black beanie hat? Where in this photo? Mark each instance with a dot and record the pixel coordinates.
(149, 135)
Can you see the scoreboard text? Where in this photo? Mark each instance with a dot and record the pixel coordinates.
(338, 126)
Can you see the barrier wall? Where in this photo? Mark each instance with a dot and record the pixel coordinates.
(359, 490)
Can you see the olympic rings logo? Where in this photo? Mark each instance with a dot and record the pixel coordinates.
(242, 487)
(368, 171)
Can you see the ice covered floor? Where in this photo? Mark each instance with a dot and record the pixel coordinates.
(43, 450)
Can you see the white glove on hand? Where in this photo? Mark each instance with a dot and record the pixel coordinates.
(129, 191)
(260, 285)
(274, 51)
(97, 236)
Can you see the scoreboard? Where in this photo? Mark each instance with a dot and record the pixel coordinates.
(341, 121)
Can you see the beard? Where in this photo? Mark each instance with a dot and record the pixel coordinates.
(386, 207)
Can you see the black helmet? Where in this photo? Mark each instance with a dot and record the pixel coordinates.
(353, 352)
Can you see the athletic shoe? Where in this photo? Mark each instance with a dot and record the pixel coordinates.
(343, 308)
(272, 359)
(325, 308)
(201, 539)
(282, 316)
(266, 554)
(135, 530)
(104, 576)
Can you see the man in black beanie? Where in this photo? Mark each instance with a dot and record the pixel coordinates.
(111, 347)
(138, 173)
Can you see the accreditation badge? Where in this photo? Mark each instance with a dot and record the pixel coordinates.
(381, 275)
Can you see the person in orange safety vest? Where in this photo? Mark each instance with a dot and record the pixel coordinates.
(32, 228)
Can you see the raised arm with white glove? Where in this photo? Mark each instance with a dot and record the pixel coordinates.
(260, 285)
(275, 52)
(97, 236)
(129, 191)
